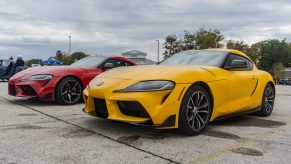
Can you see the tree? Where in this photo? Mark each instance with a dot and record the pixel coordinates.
(202, 39)
(237, 45)
(77, 56)
(254, 53)
(278, 71)
(59, 55)
(273, 51)
(69, 59)
(208, 39)
(172, 45)
(189, 41)
(32, 61)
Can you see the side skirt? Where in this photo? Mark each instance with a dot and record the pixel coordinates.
(240, 113)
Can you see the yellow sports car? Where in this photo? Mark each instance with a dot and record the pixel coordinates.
(185, 91)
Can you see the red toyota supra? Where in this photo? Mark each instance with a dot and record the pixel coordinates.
(63, 84)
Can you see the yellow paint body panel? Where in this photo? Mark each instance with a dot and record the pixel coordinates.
(232, 91)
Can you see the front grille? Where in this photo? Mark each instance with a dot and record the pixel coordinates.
(100, 108)
(11, 89)
(28, 89)
(132, 108)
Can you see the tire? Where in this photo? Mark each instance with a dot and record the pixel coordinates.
(69, 91)
(267, 101)
(195, 111)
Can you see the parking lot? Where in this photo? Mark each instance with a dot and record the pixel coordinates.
(42, 132)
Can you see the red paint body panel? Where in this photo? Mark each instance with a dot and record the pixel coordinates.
(46, 89)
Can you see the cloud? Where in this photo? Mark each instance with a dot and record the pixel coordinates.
(38, 28)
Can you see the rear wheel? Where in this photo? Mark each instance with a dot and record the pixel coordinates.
(69, 91)
(195, 111)
(268, 101)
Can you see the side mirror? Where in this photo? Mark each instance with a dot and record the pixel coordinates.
(237, 64)
(108, 66)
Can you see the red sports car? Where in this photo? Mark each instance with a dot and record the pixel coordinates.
(63, 84)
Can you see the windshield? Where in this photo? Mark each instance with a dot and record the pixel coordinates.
(91, 61)
(209, 58)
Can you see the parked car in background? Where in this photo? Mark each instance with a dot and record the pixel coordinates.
(185, 91)
(3, 64)
(63, 84)
(9, 68)
(4, 69)
(284, 82)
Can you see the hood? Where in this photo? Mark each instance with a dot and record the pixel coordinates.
(52, 70)
(178, 74)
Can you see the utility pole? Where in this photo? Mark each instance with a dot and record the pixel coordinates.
(158, 50)
(70, 44)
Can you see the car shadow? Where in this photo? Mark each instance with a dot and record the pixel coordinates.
(250, 120)
(124, 129)
(128, 132)
(35, 102)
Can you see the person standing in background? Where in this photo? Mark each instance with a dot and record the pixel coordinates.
(19, 61)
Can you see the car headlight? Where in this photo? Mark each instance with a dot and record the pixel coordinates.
(90, 84)
(94, 82)
(39, 77)
(147, 86)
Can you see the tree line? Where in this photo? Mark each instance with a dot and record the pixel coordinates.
(68, 59)
(63, 57)
(271, 55)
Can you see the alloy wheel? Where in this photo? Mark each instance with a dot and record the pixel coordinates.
(71, 91)
(198, 110)
(269, 97)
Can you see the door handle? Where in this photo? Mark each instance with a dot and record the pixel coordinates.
(254, 77)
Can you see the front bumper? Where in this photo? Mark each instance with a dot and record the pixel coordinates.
(159, 108)
(33, 89)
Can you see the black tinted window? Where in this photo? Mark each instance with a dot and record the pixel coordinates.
(118, 63)
(91, 61)
(232, 57)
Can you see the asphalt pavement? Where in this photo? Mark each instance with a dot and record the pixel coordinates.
(34, 131)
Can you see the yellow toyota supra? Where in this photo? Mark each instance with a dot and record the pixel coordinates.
(185, 91)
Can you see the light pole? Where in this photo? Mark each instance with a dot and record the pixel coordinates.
(70, 44)
(158, 50)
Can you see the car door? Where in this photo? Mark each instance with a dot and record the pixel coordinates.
(241, 84)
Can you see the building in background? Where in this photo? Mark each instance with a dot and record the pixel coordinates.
(138, 57)
(287, 73)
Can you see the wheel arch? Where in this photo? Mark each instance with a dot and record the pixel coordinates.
(272, 84)
(208, 89)
(54, 96)
(181, 118)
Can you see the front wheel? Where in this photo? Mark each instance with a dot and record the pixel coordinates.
(195, 111)
(69, 91)
(267, 101)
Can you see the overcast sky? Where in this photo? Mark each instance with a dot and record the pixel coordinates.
(38, 28)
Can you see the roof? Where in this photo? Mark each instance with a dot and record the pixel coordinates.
(144, 62)
(237, 52)
(134, 52)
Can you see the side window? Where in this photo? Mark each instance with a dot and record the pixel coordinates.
(118, 63)
(128, 63)
(232, 57)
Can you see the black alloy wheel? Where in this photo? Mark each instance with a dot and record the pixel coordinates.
(267, 101)
(69, 91)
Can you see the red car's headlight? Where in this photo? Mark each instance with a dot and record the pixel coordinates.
(38, 77)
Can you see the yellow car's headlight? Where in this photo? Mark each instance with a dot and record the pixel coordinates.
(148, 86)
(90, 84)
(94, 82)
